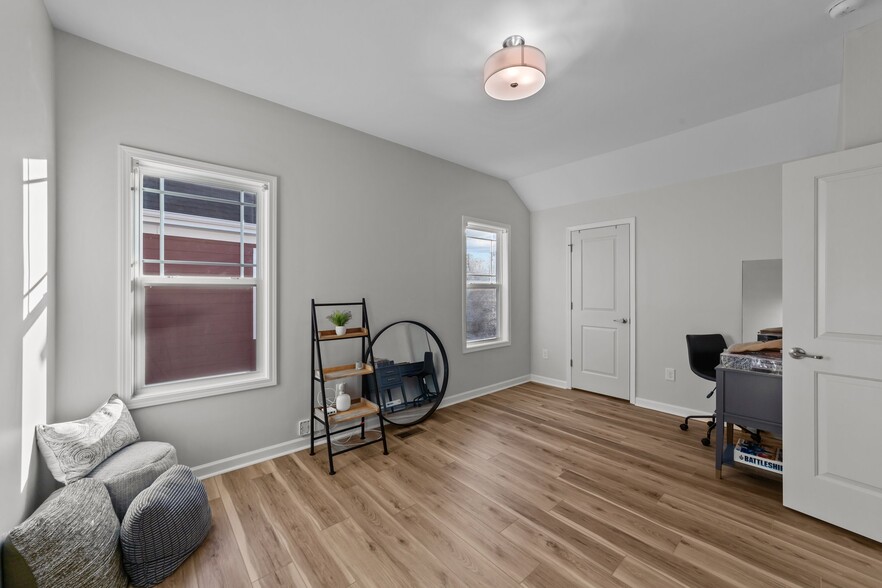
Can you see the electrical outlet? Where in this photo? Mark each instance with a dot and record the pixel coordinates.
(304, 427)
(670, 374)
(544, 354)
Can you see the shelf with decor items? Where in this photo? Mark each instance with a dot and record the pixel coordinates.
(349, 334)
(344, 371)
(364, 367)
(360, 409)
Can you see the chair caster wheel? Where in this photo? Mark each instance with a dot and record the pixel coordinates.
(705, 441)
(684, 427)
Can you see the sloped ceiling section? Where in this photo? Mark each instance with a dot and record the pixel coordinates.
(785, 131)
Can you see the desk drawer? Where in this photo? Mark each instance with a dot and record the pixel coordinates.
(410, 369)
(750, 395)
(388, 377)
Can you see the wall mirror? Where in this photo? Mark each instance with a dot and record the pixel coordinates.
(412, 372)
(761, 298)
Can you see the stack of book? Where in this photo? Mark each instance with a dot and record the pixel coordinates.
(759, 456)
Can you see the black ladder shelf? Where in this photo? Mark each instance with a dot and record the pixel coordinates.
(361, 408)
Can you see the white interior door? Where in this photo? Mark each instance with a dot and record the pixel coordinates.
(600, 302)
(833, 309)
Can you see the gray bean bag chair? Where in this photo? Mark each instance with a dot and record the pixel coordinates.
(164, 525)
(71, 541)
(132, 469)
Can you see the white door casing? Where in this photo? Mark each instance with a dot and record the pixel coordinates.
(832, 251)
(600, 310)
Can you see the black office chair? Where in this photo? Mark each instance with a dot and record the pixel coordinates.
(428, 371)
(704, 356)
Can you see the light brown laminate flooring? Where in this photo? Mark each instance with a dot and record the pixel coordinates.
(531, 486)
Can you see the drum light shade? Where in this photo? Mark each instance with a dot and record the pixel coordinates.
(514, 72)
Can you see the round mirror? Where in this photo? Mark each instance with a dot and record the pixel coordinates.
(411, 372)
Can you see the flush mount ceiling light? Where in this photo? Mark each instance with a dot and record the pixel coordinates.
(843, 7)
(514, 72)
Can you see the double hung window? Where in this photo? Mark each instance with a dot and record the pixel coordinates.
(199, 278)
(485, 285)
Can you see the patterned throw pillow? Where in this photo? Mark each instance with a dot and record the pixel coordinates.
(74, 449)
(163, 526)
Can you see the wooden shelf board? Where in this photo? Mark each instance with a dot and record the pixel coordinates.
(350, 334)
(345, 371)
(361, 407)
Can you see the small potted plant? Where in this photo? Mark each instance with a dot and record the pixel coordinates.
(339, 320)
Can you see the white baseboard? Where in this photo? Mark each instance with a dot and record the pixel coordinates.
(248, 458)
(641, 402)
(549, 381)
(667, 408)
(463, 396)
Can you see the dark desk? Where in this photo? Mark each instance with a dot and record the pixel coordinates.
(391, 376)
(747, 398)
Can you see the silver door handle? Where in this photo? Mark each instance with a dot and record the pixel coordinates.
(799, 353)
(624, 321)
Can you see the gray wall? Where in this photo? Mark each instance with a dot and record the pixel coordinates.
(691, 239)
(26, 132)
(358, 216)
(861, 100)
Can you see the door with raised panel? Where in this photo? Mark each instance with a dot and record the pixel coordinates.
(833, 338)
(600, 296)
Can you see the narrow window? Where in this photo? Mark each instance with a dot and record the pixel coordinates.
(485, 285)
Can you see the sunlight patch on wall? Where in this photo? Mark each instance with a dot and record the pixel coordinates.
(35, 231)
(34, 370)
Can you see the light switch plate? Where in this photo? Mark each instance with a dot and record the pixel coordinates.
(670, 374)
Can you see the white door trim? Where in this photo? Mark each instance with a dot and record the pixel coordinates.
(632, 224)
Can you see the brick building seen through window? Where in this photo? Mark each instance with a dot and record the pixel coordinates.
(192, 331)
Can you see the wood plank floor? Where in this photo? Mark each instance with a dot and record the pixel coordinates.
(532, 486)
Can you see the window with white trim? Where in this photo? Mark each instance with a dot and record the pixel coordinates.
(199, 278)
(485, 304)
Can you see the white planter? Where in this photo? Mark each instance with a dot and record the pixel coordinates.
(340, 330)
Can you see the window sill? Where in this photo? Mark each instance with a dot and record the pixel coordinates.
(472, 347)
(194, 391)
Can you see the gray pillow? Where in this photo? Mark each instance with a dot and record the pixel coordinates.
(164, 525)
(74, 449)
(70, 542)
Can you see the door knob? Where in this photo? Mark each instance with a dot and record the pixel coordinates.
(624, 321)
(799, 353)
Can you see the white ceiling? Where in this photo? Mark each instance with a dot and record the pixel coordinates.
(620, 72)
